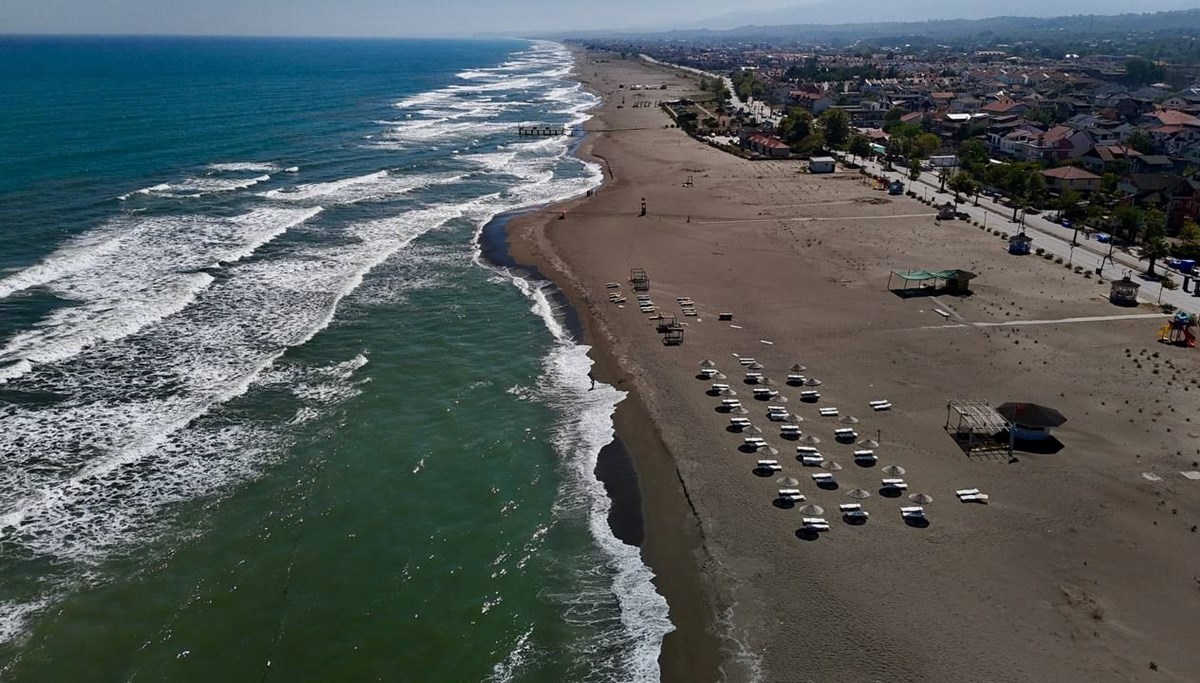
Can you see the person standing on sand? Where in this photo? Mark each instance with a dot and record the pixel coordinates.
(593, 378)
(643, 213)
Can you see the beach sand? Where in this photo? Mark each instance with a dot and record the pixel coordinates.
(1079, 569)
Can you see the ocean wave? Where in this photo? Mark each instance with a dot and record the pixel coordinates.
(191, 188)
(365, 188)
(125, 429)
(247, 166)
(144, 270)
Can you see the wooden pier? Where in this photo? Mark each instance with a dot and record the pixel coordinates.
(542, 130)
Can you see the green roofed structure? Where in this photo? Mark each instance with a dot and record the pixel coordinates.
(953, 281)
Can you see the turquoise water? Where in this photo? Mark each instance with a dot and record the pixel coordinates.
(266, 413)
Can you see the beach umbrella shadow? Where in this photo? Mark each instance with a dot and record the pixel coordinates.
(917, 522)
(806, 534)
(784, 503)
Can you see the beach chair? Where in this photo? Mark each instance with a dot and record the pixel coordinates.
(731, 403)
(845, 433)
(810, 396)
(850, 507)
(912, 512)
(612, 285)
(812, 460)
(829, 412)
(816, 524)
(823, 478)
(974, 498)
(718, 387)
(742, 422)
(880, 404)
(708, 373)
(618, 300)
(785, 492)
(746, 360)
(898, 484)
(789, 430)
(795, 380)
(754, 441)
(754, 377)
(690, 312)
(966, 492)
(865, 456)
(772, 465)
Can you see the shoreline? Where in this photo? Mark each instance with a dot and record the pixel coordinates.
(638, 460)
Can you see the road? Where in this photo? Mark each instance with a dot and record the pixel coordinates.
(1053, 238)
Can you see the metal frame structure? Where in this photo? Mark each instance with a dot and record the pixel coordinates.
(978, 426)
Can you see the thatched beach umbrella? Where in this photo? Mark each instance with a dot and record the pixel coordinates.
(797, 368)
(794, 419)
(812, 382)
(894, 470)
(788, 482)
(770, 450)
(812, 509)
(767, 382)
(755, 366)
(741, 410)
(706, 363)
(752, 430)
(810, 440)
(848, 420)
(832, 466)
(720, 375)
(858, 493)
(728, 392)
(868, 444)
(779, 398)
(921, 498)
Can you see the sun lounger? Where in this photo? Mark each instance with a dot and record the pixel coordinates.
(974, 498)
(816, 524)
(690, 312)
(811, 395)
(618, 300)
(844, 431)
(807, 450)
(746, 360)
(739, 421)
(761, 391)
(719, 386)
(755, 441)
(612, 285)
(643, 297)
(812, 460)
(823, 477)
(753, 376)
(768, 463)
(708, 373)
(895, 484)
(865, 455)
(795, 379)
(850, 507)
(882, 407)
(966, 492)
(915, 511)
(724, 316)
(789, 429)
(880, 404)
(731, 402)
(783, 493)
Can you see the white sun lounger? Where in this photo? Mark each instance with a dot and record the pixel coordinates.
(882, 406)
(865, 455)
(807, 450)
(810, 395)
(617, 300)
(612, 285)
(795, 379)
(731, 402)
(753, 376)
(789, 429)
(974, 498)
(718, 386)
(829, 412)
(784, 493)
(912, 511)
(816, 524)
(850, 507)
(762, 391)
(966, 492)
(690, 312)
(755, 441)
(772, 465)
(823, 477)
(811, 460)
(643, 297)
(739, 421)
(895, 484)
(746, 360)
(845, 433)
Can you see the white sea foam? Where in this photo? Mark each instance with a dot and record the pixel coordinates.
(198, 187)
(146, 269)
(248, 166)
(69, 465)
(365, 188)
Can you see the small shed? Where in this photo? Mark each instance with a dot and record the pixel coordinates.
(978, 427)
(1124, 292)
(821, 165)
(1019, 244)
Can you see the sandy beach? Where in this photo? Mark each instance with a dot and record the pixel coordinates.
(1080, 568)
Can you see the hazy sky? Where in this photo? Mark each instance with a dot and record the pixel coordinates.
(351, 17)
(459, 17)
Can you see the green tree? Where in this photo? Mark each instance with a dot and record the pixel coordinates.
(1141, 71)
(1068, 203)
(962, 183)
(914, 167)
(836, 124)
(1154, 238)
(926, 144)
(796, 126)
(973, 157)
(859, 146)
(1140, 141)
(1127, 221)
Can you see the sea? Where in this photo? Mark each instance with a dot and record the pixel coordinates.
(274, 404)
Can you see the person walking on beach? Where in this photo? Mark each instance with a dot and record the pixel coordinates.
(593, 378)
(643, 213)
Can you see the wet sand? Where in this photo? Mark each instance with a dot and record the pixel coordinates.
(1080, 568)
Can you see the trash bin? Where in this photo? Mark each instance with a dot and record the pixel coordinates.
(1186, 266)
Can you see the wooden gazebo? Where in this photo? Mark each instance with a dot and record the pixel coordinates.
(977, 427)
(1124, 292)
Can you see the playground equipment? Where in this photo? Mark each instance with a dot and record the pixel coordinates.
(1178, 330)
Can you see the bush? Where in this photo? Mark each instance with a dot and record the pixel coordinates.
(1169, 283)
(1039, 251)
(1004, 235)
(1059, 260)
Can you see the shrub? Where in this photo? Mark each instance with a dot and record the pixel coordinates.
(1039, 251)
(1058, 260)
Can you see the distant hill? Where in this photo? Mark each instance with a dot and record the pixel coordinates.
(875, 11)
(1061, 29)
